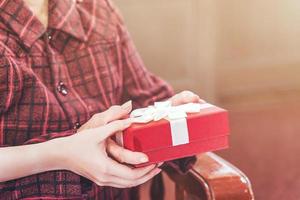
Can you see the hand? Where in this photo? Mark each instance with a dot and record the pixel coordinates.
(113, 149)
(185, 97)
(85, 153)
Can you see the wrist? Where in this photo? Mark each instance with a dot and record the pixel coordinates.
(52, 155)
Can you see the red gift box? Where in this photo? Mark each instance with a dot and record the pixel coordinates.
(207, 130)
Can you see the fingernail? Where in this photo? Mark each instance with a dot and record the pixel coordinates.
(144, 159)
(160, 164)
(157, 171)
(127, 106)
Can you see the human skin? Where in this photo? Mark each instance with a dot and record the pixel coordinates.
(106, 163)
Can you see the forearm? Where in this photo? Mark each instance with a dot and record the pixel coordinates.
(21, 161)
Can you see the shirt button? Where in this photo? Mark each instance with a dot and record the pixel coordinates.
(48, 35)
(76, 126)
(61, 88)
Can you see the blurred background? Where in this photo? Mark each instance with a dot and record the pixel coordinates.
(243, 56)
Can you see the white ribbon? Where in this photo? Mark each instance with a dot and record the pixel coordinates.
(176, 115)
(165, 110)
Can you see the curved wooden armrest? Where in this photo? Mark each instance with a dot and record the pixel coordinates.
(210, 178)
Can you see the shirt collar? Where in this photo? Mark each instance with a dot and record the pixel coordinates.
(63, 16)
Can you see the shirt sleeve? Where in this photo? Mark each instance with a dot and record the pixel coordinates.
(11, 86)
(140, 85)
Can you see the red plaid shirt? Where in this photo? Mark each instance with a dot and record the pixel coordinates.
(54, 79)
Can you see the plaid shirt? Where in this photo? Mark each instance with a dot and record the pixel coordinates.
(54, 79)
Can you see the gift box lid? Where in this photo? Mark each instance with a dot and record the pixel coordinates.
(209, 123)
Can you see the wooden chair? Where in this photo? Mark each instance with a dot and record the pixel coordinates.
(210, 178)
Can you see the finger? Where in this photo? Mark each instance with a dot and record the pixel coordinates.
(126, 172)
(160, 164)
(147, 177)
(124, 183)
(115, 185)
(202, 101)
(188, 96)
(185, 97)
(108, 130)
(125, 156)
(117, 112)
(104, 183)
(111, 114)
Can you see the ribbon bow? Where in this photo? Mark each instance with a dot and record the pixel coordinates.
(165, 110)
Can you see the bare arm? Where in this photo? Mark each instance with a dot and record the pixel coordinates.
(20, 161)
(70, 153)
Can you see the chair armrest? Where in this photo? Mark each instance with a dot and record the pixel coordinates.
(220, 179)
(212, 178)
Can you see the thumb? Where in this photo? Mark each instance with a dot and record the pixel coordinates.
(112, 128)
